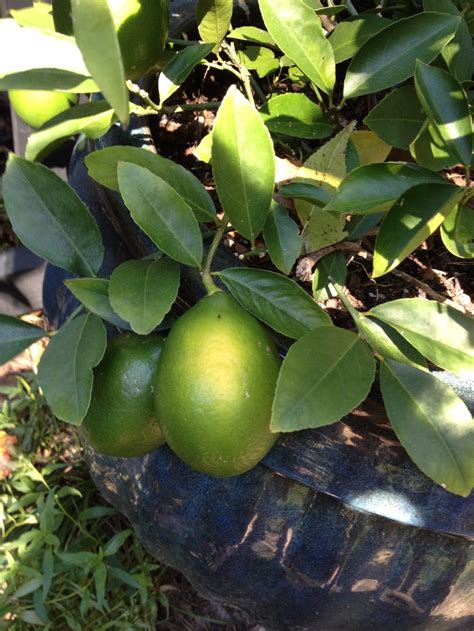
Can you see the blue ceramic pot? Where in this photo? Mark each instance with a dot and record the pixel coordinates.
(335, 530)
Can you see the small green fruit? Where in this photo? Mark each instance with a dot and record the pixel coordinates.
(121, 420)
(215, 383)
(36, 107)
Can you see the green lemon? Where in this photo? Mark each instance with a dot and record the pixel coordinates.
(142, 29)
(36, 107)
(215, 383)
(121, 420)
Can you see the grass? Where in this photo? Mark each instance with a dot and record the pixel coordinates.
(67, 560)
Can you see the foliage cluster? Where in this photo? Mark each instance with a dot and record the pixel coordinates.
(296, 79)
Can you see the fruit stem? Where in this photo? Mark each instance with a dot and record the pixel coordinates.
(206, 276)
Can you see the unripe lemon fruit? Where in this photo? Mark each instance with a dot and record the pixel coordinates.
(36, 107)
(215, 383)
(121, 420)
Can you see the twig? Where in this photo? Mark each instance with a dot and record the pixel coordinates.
(306, 264)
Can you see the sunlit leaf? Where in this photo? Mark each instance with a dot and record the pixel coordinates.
(442, 334)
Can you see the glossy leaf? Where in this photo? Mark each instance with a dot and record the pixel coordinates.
(447, 108)
(327, 167)
(57, 62)
(161, 213)
(311, 193)
(96, 36)
(15, 336)
(413, 218)
(442, 334)
(65, 371)
(398, 118)
(299, 34)
(94, 295)
(295, 115)
(179, 68)
(252, 34)
(276, 300)
(389, 57)
(458, 54)
(282, 238)
(332, 266)
(324, 376)
(350, 35)
(388, 343)
(457, 232)
(432, 423)
(243, 164)
(142, 292)
(102, 166)
(376, 187)
(203, 151)
(213, 19)
(369, 147)
(44, 210)
(429, 150)
(91, 119)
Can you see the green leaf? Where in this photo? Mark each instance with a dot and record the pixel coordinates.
(56, 64)
(116, 542)
(398, 118)
(102, 166)
(432, 423)
(311, 193)
(457, 232)
(94, 295)
(203, 151)
(91, 119)
(299, 34)
(282, 238)
(413, 218)
(389, 57)
(96, 36)
(179, 68)
(96, 512)
(161, 213)
(65, 370)
(429, 150)
(276, 300)
(332, 266)
(15, 336)
(243, 164)
(29, 587)
(213, 19)
(142, 292)
(48, 570)
(458, 54)
(324, 376)
(260, 59)
(350, 35)
(100, 580)
(388, 343)
(38, 16)
(442, 334)
(326, 166)
(376, 187)
(44, 210)
(252, 34)
(447, 109)
(295, 115)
